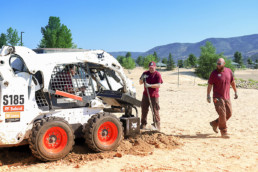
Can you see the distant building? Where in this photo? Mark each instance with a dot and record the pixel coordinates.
(159, 64)
(237, 65)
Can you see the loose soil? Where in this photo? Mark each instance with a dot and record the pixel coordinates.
(143, 144)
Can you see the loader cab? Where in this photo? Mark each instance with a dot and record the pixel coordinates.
(85, 80)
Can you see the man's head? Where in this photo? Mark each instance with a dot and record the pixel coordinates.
(72, 69)
(220, 64)
(152, 67)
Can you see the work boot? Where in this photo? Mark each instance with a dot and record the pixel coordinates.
(142, 126)
(214, 126)
(225, 135)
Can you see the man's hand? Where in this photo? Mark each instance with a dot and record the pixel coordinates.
(236, 96)
(144, 76)
(148, 85)
(208, 98)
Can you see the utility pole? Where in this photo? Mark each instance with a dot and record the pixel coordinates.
(21, 38)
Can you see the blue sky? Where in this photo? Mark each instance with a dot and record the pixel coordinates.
(132, 25)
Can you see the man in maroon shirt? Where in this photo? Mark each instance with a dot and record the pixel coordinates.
(221, 79)
(153, 81)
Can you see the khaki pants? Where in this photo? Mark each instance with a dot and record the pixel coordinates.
(224, 110)
(145, 108)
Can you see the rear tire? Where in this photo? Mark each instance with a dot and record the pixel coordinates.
(103, 132)
(51, 139)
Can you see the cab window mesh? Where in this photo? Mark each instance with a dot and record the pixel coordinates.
(72, 79)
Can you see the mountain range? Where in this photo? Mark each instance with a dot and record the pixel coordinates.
(247, 45)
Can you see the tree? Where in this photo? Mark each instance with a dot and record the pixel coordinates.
(120, 59)
(170, 62)
(165, 60)
(186, 63)
(238, 58)
(180, 63)
(256, 65)
(3, 40)
(12, 37)
(147, 60)
(126, 62)
(208, 61)
(249, 61)
(156, 56)
(128, 54)
(192, 60)
(140, 60)
(56, 35)
(229, 64)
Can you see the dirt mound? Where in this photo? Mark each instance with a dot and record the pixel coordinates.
(145, 143)
(141, 145)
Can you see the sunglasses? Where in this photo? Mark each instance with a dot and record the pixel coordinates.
(219, 64)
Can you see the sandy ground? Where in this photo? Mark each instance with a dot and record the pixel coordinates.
(247, 74)
(184, 114)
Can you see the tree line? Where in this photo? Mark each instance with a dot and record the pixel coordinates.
(11, 37)
(54, 35)
(203, 65)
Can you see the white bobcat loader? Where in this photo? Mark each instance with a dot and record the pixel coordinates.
(47, 100)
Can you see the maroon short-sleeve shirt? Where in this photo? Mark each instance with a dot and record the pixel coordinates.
(153, 78)
(221, 83)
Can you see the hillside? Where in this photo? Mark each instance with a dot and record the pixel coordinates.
(123, 53)
(247, 45)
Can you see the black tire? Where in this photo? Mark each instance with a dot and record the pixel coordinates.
(51, 139)
(103, 132)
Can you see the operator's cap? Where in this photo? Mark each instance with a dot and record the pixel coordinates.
(152, 64)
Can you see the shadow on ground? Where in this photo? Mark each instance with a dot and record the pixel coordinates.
(197, 136)
(21, 155)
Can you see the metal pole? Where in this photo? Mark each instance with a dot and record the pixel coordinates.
(21, 38)
(178, 78)
(152, 111)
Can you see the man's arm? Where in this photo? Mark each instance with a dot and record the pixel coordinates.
(209, 89)
(208, 93)
(233, 84)
(140, 82)
(155, 85)
(152, 85)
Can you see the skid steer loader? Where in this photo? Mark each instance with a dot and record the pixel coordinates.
(48, 100)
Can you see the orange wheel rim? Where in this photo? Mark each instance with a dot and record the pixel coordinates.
(107, 133)
(55, 139)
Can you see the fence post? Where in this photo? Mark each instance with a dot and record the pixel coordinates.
(178, 78)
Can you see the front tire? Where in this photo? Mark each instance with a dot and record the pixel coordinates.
(103, 132)
(51, 139)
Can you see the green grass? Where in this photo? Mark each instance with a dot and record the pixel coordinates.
(252, 81)
(242, 80)
(206, 84)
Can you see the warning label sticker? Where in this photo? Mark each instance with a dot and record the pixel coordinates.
(13, 108)
(12, 117)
